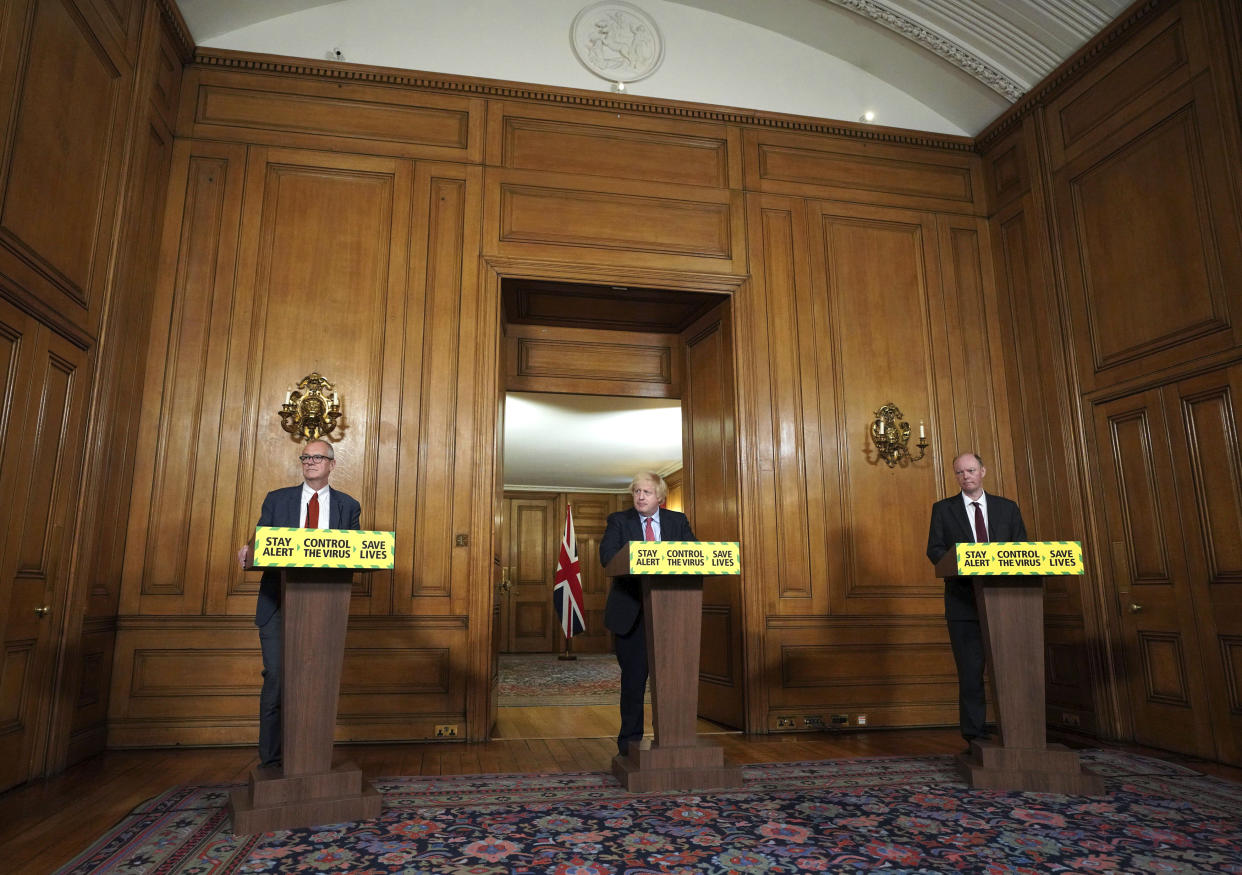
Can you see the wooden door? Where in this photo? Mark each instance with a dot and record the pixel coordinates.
(1208, 468)
(1150, 572)
(40, 427)
(591, 511)
(531, 532)
(711, 490)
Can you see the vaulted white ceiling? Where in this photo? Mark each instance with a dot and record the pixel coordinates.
(964, 60)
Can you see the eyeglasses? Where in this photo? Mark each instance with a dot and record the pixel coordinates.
(314, 460)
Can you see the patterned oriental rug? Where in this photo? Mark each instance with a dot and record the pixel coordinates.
(542, 679)
(900, 814)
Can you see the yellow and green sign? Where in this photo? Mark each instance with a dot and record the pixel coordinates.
(280, 547)
(685, 557)
(1020, 557)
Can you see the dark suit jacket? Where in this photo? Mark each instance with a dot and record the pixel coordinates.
(625, 599)
(950, 526)
(283, 507)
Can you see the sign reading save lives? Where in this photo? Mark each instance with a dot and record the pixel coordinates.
(685, 557)
(1020, 557)
(280, 547)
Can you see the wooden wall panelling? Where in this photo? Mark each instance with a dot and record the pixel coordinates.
(1208, 465)
(319, 113)
(449, 432)
(1044, 478)
(779, 555)
(1150, 231)
(1148, 569)
(64, 148)
(118, 20)
(524, 136)
(616, 222)
(543, 358)
(194, 382)
(1143, 70)
(709, 425)
(850, 170)
(884, 331)
(112, 434)
(897, 672)
(323, 238)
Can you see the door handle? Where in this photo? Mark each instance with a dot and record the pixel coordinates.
(43, 611)
(1135, 609)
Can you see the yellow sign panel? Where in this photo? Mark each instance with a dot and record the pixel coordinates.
(280, 547)
(685, 557)
(1020, 557)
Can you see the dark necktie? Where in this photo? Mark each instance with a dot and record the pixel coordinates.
(981, 530)
(312, 512)
(650, 535)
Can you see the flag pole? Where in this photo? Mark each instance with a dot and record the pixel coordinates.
(569, 650)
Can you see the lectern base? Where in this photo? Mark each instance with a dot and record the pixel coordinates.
(273, 801)
(651, 768)
(1052, 769)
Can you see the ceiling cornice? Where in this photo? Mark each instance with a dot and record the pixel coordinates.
(504, 90)
(1073, 66)
(175, 22)
(954, 53)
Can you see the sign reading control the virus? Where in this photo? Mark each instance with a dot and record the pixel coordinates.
(1020, 557)
(281, 547)
(685, 557)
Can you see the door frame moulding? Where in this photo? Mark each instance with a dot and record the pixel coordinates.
(495, 269)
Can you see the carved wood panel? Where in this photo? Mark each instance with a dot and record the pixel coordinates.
(64, 148)
(1142, 214)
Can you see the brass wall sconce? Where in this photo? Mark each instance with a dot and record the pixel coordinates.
(891, 435)
(312, 409)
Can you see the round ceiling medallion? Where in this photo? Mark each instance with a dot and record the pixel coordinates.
(617, 41)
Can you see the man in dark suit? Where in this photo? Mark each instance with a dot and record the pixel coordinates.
(623, 612)
(971, 516)
(311, 505)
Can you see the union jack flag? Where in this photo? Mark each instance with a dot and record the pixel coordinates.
(567, 593)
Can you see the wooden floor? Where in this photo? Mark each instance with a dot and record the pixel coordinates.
(45, 823)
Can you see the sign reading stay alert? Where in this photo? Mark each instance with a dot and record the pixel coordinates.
(280, 547)
(1020, 557)
(685, 557)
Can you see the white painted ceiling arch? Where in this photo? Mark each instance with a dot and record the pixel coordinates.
(944, 66)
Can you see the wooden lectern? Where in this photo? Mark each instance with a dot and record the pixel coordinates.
(308, 790)
(1011, 612)
(676, 759)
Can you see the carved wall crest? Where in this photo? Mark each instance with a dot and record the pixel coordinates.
(617, 41)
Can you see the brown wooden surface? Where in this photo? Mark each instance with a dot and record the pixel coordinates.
(308, 788)
(675, 758)
(710, 481)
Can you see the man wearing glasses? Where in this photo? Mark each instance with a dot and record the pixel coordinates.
(313, 506)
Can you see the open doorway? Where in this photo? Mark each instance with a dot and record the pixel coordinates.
(576, 350)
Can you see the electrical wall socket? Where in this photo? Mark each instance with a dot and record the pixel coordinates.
(446, 730)
(861, 720)
(785, 723)
(813, 722)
